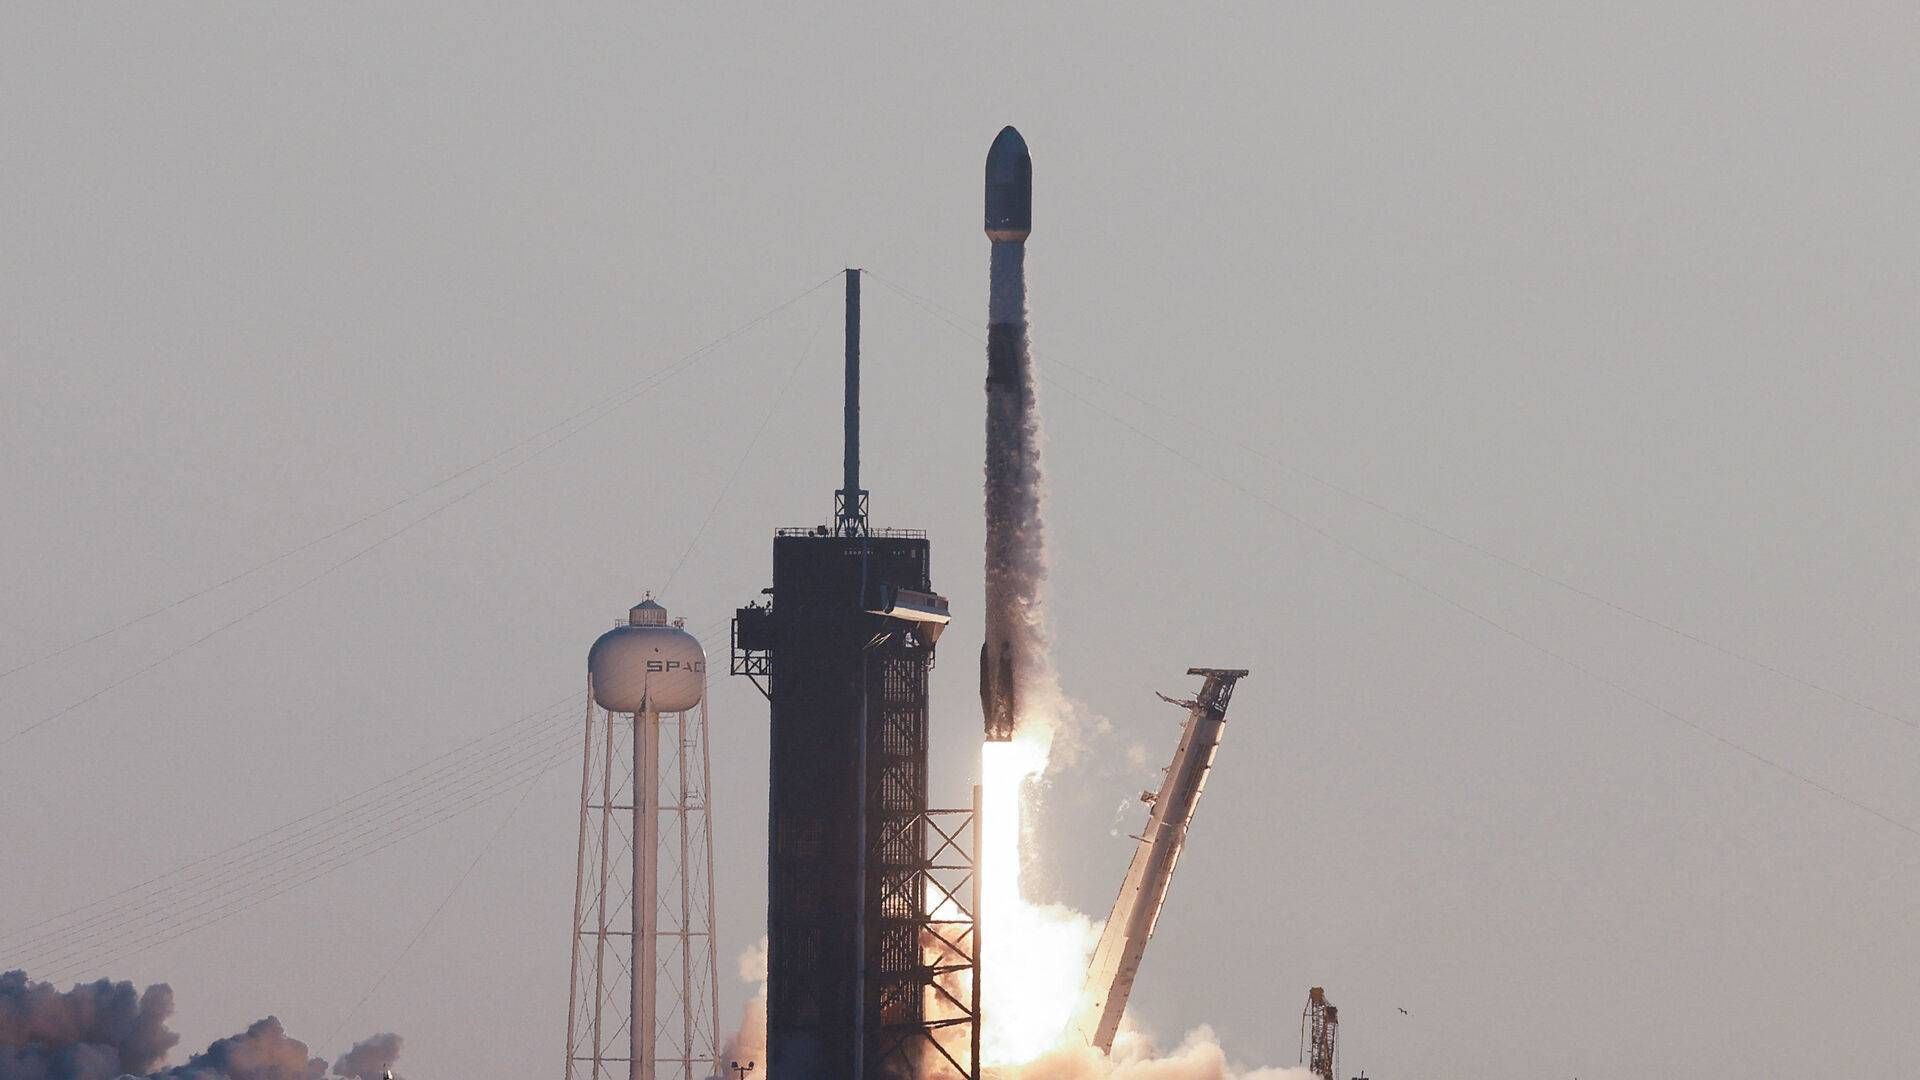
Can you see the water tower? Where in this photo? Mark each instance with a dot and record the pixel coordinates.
(645, 997)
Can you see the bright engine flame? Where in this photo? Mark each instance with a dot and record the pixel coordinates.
(1035, 954)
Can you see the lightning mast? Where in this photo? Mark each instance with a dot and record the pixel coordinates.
(1116, 959)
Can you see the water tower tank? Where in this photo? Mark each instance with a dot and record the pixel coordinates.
(647, 665)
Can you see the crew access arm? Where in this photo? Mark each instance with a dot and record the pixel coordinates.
(1116, 960)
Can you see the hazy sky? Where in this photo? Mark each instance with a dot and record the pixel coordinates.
(1621, 294)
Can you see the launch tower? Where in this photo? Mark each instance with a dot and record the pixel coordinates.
(870, 946)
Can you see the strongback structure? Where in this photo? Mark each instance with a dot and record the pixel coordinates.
(870, 894)
(644, 992)
(1143, 892)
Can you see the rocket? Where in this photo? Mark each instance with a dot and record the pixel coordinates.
(1014, 562)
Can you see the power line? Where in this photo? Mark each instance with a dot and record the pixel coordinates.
(1525, 568)
(746, 455)
(412, 777)
(640, 385)
(442, 906)
(592, 414)
(1460, 606)
(210, 900)
(952, 318)
(1495, 624)
(180, 924)
(382, 806)
(237, 878)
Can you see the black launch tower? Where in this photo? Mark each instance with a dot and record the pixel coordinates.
(862, 968)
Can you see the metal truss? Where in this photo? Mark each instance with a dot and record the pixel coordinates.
(645, 996)
(935, 1032)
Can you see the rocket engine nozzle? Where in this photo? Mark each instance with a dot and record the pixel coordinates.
(997, 702)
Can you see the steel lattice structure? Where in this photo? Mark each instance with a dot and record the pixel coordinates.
(852, 993)
(643, 902)
(1320, 1035)
(940, 1037)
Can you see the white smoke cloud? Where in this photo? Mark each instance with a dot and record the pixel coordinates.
(106, 1030)
(749, 1041)
(1197, 1057)
(370, 1058)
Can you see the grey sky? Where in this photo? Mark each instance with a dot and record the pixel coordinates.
(1624, 294)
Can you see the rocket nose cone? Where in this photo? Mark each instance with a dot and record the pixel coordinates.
(1009, 187)
(1008, 153)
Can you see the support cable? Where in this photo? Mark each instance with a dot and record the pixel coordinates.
(574, 423)
(321, 841)
(1474, 613)
(327, 840)
(739, 466)
(486, 847)
(203, 915)
(948, 316)
(423, 775)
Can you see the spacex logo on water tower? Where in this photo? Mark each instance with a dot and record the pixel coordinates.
(647, 665)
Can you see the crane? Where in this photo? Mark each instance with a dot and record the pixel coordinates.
(1319, 1034)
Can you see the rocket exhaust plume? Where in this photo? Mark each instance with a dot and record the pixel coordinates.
(1035, 955)
(1029, 1006)
(1016, 560)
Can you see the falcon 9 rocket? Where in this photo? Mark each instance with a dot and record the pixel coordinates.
(1015, 554)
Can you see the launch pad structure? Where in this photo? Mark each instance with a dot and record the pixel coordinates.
(872, 947)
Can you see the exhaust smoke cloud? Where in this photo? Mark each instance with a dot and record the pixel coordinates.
(105, 1030)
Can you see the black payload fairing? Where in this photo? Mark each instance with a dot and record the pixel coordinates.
(1015, 563)
(1009, 189)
